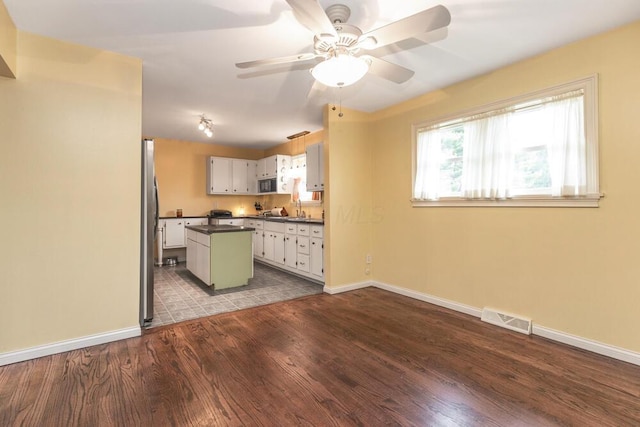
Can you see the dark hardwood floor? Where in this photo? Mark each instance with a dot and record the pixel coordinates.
(366, 358)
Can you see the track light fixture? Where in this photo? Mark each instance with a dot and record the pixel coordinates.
(206, 125)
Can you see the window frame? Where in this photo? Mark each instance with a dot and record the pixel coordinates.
(589, 86)
(290, 178)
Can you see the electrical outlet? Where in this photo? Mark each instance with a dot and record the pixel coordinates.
(367, 271)
(368, 259)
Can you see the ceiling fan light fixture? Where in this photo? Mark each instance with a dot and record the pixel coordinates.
(340, 70)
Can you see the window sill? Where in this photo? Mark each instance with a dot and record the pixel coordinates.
(526, 202)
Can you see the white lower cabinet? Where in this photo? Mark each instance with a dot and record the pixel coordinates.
(199, 255)
(192, 249)
(316, 254)
(258, 237)
(298, 248)
(173, 233)
(274, 242)
(290, 246)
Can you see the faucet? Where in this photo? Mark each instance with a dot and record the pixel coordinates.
(298, 205)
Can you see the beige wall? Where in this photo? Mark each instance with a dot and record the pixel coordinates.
(70, 190)
(8, 44)
(575, 270)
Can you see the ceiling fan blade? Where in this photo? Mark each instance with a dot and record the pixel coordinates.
(427, 20)
(387, 70)
(310, 14)
(276, 61)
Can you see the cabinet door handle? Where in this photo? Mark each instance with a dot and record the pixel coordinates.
(303, 246)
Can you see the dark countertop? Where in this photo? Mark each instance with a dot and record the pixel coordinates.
(316, 221)
(210, 229)
(182, 217)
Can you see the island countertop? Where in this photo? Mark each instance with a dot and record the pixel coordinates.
(211, 229)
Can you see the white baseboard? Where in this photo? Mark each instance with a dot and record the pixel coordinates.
(562, 337)
(462, 308)
(346, 288)
(589, 345)
(68, 345)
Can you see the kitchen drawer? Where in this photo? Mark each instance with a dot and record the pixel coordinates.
(303, 245)
(234, 221)
(256, 223)
(303, 263)
(196, 221)
(317, 230)
(274, 226)
(290, 228)
(192, 235)
(303, 230)
(204, 239)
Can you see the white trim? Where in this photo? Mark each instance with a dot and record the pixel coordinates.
(589, 86)
(346, 288)
(558, 336)
(589, 345)
(462, 308)
(68, 345)
(542, 202)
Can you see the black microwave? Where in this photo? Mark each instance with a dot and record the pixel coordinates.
(267, 185)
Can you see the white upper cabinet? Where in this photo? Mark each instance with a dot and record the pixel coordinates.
(240, 176)
(252, 179)
(268, 167)
(229, 176)
(219, 175)
(315, 167)
(275, 166)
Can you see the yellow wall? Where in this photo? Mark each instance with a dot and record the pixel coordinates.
(70, 190)
(575, 270)
(348, 191)
(181, 173)
(8, 44)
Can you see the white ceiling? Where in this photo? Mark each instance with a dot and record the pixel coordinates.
(189, 48)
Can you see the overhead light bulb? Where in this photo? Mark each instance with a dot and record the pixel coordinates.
(340, 70)
(201, 125)
(208, 132)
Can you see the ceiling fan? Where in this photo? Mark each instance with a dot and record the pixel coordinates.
(341, 47)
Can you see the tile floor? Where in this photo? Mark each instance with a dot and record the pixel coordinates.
(179, 295)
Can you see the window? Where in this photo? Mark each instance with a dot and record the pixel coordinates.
(298, 178)
(537, 149)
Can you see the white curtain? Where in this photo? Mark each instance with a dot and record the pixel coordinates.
(567, 147)
(488, 156)
(486, 159)
(428, 152)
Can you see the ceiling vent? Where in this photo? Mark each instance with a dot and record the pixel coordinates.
(505, 320)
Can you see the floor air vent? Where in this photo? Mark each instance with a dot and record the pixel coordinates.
(509, 321)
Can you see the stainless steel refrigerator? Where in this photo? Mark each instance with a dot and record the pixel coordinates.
(148, 228)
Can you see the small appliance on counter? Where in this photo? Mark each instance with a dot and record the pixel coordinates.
(217, 214)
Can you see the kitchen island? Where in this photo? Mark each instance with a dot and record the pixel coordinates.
(220, 255)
